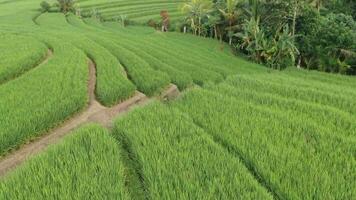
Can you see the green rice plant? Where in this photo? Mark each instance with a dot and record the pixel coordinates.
(146, 79)
(178, 160)
(333, 120)
(284, 78)
(112, 86)
(138, 10)
(138, 70)
(18, 55)
(179, 78)
(42, 98)
(85, 165)
(195, 58)
(339, 101)
(295, 158)
(249, 133)
(198, 73)
(335, 79)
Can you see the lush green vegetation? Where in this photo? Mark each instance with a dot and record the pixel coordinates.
(314, 34)
(170, 149)
(112, 86)
(135, 11)
(85, 165)
(290, 148)
(238, 130)
(18, 55)
(29, 107)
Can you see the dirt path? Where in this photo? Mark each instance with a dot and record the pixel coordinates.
(48, 56)
(94, 113)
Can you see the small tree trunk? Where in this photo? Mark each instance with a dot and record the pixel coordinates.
(230, 41)
(294, 19)
(215, 32)
(299, 61)
(185, 29)
(199, 28)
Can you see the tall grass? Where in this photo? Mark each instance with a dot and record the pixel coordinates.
(85, 165)
(300, 150)
(18, 55)
(43, 98)
(178, 160)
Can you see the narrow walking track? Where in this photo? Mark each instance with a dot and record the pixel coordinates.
(95, 112)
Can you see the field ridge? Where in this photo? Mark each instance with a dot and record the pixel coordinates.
(94, 113)
(43, 61)
(249, 165)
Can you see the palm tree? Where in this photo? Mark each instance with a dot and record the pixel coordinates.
(231, 14)
(212, 22)
(285, 49)
(318, 4)
(196, 10)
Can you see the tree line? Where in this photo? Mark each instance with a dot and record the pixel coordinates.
(312, 34)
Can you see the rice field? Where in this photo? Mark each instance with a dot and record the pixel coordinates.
(18, 55)
(137, 11)
(68, 170)
(237, 130)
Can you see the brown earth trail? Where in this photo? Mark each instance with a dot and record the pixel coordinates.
(95, 112)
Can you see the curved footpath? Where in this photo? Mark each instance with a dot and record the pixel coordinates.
(95, 113)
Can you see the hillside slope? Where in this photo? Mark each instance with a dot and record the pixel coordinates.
(238, 129)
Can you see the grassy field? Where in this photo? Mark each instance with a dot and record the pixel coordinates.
(237, 131)
(137, 11)
(69, 169)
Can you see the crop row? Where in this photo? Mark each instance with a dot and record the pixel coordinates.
(134, 9)
(112, 86)
(141, 73)
(144, 13)
(167, 150)
(178, 160)
(335, 122)
(175, 58)
(18, 55)
(342, 102)
(42, 98)
(140, 11)
(295, 157)
(159, 57)
(332, 79)
(69, 169)
(100, 5)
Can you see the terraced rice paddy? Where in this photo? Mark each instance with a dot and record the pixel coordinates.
(236, 131)
(137, 11)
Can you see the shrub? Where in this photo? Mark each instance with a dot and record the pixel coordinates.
(45, 6)
(66, 5)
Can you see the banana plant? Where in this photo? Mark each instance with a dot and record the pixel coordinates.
(231, 13)
(196, 11)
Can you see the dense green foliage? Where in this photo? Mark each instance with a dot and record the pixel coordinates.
(149, 63)
(275, 128)
(238, 130)
(311, 34)
(18, 55)
(170, 149)
(85, 165)
(29, 107)
(112, 86)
